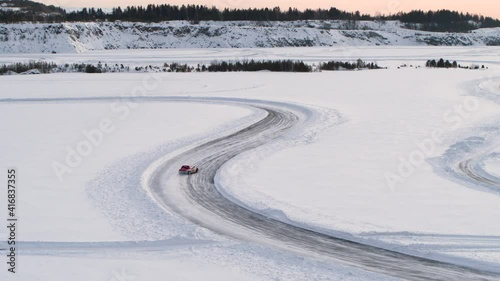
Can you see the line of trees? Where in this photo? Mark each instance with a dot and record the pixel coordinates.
(442, 20)
(252, 65)
(41, 66)
(441, 63)
(50, 67)
(223, 66)
(338, 65)
(445, 20)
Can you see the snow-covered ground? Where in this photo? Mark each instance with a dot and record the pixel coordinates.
(492, 164)
(93, 36)
(339, 183)
(387, 56)
(350, 179)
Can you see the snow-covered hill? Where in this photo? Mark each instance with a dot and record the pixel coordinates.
(81, 37)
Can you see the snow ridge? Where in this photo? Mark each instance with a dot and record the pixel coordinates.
(81, 37)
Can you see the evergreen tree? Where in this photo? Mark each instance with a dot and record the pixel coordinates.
(440, 63)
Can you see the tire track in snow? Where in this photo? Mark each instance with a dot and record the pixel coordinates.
(470, 168)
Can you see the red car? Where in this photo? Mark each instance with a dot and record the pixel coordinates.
(187, 170)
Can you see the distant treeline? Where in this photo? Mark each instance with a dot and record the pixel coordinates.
(50, 67)
(359, 64)
(223, 66)
(442, 20)
(269, 65)
(37, 67)
(41, 66)
(445, 20)
(441, 63)
(155, 13)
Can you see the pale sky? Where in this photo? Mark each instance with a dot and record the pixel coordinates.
(483, 7)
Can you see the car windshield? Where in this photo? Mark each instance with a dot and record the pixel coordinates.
(185, 167)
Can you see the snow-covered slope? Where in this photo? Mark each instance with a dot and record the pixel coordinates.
(81, 37)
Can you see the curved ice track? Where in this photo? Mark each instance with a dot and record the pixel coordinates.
(470, 167)
(197, 199)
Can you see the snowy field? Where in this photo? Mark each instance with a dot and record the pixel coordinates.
(380, 166)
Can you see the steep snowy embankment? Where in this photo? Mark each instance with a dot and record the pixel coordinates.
(81, 37)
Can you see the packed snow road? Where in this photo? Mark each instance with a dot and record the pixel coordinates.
(198, 199)
(471, 168)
